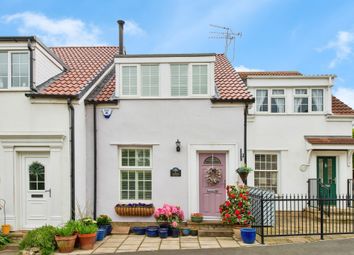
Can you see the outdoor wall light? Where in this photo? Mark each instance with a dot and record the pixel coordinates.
(178, 145)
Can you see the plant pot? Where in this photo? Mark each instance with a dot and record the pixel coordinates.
(237, 231)
(163, 232)
(135, 211)
(194, 232)
(108, 228)
(197, 219)
(175, 232)
(186, 231)
(248, 235)
(101, 233)
(243, 176)
(139, 230)
(5, 229)
(152, 231)
(87, 241)
(66, 244)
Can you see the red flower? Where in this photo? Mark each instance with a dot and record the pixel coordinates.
(249, 212)
(237, 212)
(227, 203)
(240, 204)
(232, 195)
(227, 215)
(220, 210)
(241, 195)
(239, 216)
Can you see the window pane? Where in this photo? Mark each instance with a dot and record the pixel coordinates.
(278, 92)
(33, 186)
(266, 171)
(150, 80)
(301, 91)
(124, 195)
(137, 186)
(278, 105)
(262, 100)
(200, 79)
(3, 70)
(179, 80)
(19, 70)
(129, 80)
(301, 104)
(41, 186)
(317, 100)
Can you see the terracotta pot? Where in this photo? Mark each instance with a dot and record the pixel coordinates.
(237, 230)
(87, 241)
(5, 229)
(66, 244)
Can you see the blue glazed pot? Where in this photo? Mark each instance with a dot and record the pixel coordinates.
(101, 233)
(139, 230)
(186, 231)
(152, 231)
(175, 232)
(108, 228)
(163, 232)
(248, 235)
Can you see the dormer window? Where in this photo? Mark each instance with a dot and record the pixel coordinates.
(199, 79)
(149, 80)
(317, 100)
(278, 101)
(14, 70)
(262, 100)
(129, 80)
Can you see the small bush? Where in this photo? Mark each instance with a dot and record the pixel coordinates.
(103, 220)
(42, 238)
(67, 230)
(4, 240)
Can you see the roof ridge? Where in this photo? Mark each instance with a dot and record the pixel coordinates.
(85, 46)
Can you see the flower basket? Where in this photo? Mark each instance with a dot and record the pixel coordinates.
(197, 219)
(139, 210)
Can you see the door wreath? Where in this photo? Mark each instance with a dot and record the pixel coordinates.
(213, 176)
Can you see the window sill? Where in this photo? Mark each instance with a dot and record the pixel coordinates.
(15, 90)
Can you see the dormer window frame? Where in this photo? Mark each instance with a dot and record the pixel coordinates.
(309, 96)
(10, 77)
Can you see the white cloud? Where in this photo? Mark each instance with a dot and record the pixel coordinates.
(346, 95)
(342, 46)
(242, 68)
(133, 28)
(66, 31)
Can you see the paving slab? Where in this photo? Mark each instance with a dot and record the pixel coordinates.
(104, 250)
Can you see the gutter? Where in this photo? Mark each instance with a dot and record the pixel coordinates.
(94, 161)
(72, 157)
(29, 46)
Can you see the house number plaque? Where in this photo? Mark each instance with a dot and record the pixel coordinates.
(175, 172)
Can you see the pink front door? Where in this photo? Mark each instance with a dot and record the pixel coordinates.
(212, 179)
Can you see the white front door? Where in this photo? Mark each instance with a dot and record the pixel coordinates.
(36, 191)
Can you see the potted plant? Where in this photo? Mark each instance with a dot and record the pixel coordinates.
(170, 215)
(87, 231)
(197, 217)
(243, 172)
(236, 210)
(135, 209)
(104, 221)
(65, 237)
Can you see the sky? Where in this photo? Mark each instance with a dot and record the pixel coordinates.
(313, 37)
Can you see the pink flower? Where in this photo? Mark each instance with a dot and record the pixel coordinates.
(174, 224)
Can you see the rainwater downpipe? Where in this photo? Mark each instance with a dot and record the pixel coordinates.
(72, 157)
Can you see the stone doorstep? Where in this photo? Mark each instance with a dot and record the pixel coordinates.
(223, 232)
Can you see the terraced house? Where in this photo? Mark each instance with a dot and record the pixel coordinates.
(95, 126)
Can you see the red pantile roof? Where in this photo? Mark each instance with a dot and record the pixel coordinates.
(104, 93)
(229, 84)
(244, 75)
(330, 140)
(340, 108)
(85, 64)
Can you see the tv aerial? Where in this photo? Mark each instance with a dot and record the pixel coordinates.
(228, 35)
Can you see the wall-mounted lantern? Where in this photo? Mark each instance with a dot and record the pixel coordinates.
(178, 145)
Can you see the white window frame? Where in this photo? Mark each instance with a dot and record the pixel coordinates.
(9, 70)
(138, 70)
(268, 96)
(309, 98)
(140, 80)
(276, 96)
(189, 74)
(190, 79)
(278, 166)
(134, 168)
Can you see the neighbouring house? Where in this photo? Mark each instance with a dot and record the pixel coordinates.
(95, 126)
(298, 131)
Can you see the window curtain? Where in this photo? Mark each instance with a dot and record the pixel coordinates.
(297, 104)
(317, 100)
(262, 100)
(278, 105)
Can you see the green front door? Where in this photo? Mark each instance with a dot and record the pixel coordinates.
(326, 172)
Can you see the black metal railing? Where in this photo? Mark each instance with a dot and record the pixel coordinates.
(291, 215)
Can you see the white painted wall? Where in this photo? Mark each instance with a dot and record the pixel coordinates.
(160, 123)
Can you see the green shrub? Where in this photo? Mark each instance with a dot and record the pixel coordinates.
(86, 226)
(103, 220)
(67, 230)
(4, 240)
(42, 238)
